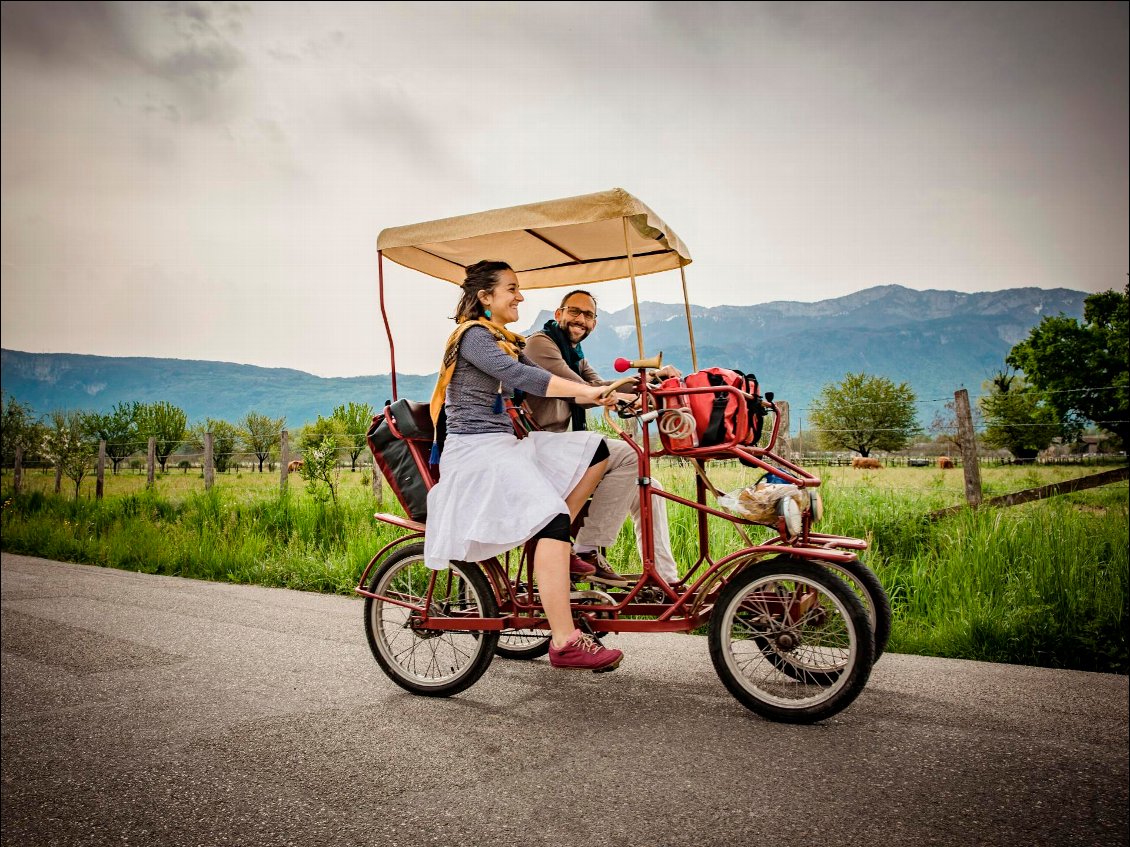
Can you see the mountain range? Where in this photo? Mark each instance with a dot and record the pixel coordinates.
(937, 341)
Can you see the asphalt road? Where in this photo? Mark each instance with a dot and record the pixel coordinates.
(152, 710)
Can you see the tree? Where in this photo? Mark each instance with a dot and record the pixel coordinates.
(19, 427)
(118, 428)
(865, 413)
(69, 447)
(164, 422)
(1083, 366)
(1018, 417)
(261, 434)
(225, 440)
(320, 443)
(355, 420)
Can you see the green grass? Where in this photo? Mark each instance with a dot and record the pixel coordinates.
(1044, 584)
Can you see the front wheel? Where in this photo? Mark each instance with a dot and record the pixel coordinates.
(797, 611)
(866, 584)
(431, 662)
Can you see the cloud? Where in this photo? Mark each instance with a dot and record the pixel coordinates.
(74, 33)
(187, 46)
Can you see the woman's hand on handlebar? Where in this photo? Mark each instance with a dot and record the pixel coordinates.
(599, 395)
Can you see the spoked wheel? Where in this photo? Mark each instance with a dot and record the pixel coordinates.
(862, 580)
(791, 614)
(523, 643)
(432, 662)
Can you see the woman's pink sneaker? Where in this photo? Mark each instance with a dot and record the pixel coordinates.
(583, 653)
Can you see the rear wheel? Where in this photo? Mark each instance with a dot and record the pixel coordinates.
(431, 662)
(791, 641)
(523, 643)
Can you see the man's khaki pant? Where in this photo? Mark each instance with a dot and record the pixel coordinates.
(615, 498)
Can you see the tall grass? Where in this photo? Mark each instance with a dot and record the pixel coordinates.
(285, 540)
(1045, 583)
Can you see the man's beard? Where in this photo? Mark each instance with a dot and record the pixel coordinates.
(575, 342)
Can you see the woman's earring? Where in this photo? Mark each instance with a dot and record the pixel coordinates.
(486, 314)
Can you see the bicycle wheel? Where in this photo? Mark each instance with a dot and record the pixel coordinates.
(523, 643)
(794, 610)
(431, 662)
(863, 581)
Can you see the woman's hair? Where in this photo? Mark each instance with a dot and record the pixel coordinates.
(481, 276)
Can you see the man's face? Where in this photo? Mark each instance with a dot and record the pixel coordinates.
(577, 317)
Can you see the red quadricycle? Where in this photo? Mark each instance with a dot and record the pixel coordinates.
(794, 622)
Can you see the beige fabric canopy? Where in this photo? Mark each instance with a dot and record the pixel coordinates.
(572, 241)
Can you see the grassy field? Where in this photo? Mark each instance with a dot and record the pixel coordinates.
(1045, 583)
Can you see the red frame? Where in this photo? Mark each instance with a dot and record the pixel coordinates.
(681, 607)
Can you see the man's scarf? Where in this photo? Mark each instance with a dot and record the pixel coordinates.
(510, 342)
(573, 356)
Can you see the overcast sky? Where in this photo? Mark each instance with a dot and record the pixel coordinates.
(207, 181)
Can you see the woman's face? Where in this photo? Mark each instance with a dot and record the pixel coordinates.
(504, 298)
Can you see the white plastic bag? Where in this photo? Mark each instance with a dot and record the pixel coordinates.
(758, 502)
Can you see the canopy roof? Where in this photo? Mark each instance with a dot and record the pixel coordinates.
(571, 241)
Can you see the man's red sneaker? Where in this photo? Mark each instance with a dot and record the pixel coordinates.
(583, 653)
(602, 571)
(579, 568)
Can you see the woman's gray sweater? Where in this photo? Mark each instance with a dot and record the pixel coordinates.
(480, 368)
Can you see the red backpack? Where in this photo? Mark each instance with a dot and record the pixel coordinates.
(720, 416)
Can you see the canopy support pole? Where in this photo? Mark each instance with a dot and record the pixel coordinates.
(690, 326)
(384, 316)
(632, 274)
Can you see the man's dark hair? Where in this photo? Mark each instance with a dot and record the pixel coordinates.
(565, 299)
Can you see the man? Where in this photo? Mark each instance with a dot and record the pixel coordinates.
(557, 348)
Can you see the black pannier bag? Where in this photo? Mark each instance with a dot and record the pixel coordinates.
(395, 459)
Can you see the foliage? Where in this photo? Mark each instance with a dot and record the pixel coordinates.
(865, 413)
(118, 428)
(1083, 365)
(19, 427)
(164, 422)
(320, 443)
(68, 445)
(261, 435)
(1018, 417)
(225, 441)
(355, 420)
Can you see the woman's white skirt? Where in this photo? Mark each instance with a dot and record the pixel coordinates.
(496, 491)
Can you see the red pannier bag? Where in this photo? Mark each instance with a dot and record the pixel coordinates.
(721, 417)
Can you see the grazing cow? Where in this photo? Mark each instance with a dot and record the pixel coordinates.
(295, 466)
(945, 462)
(865, 462)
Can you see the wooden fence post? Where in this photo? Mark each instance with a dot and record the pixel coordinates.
(151, 462)
(783, 433)
(209, 468)
(59, 478)
(968, 447)
(18, 470)
(100, 471)
(378, 490)
(284, 459)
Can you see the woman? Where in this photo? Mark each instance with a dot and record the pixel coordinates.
(496, 491)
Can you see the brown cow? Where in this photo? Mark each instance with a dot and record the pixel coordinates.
(945, 462)
(295, 466)
(865, 462)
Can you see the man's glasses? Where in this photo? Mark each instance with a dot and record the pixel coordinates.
(574, 312)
